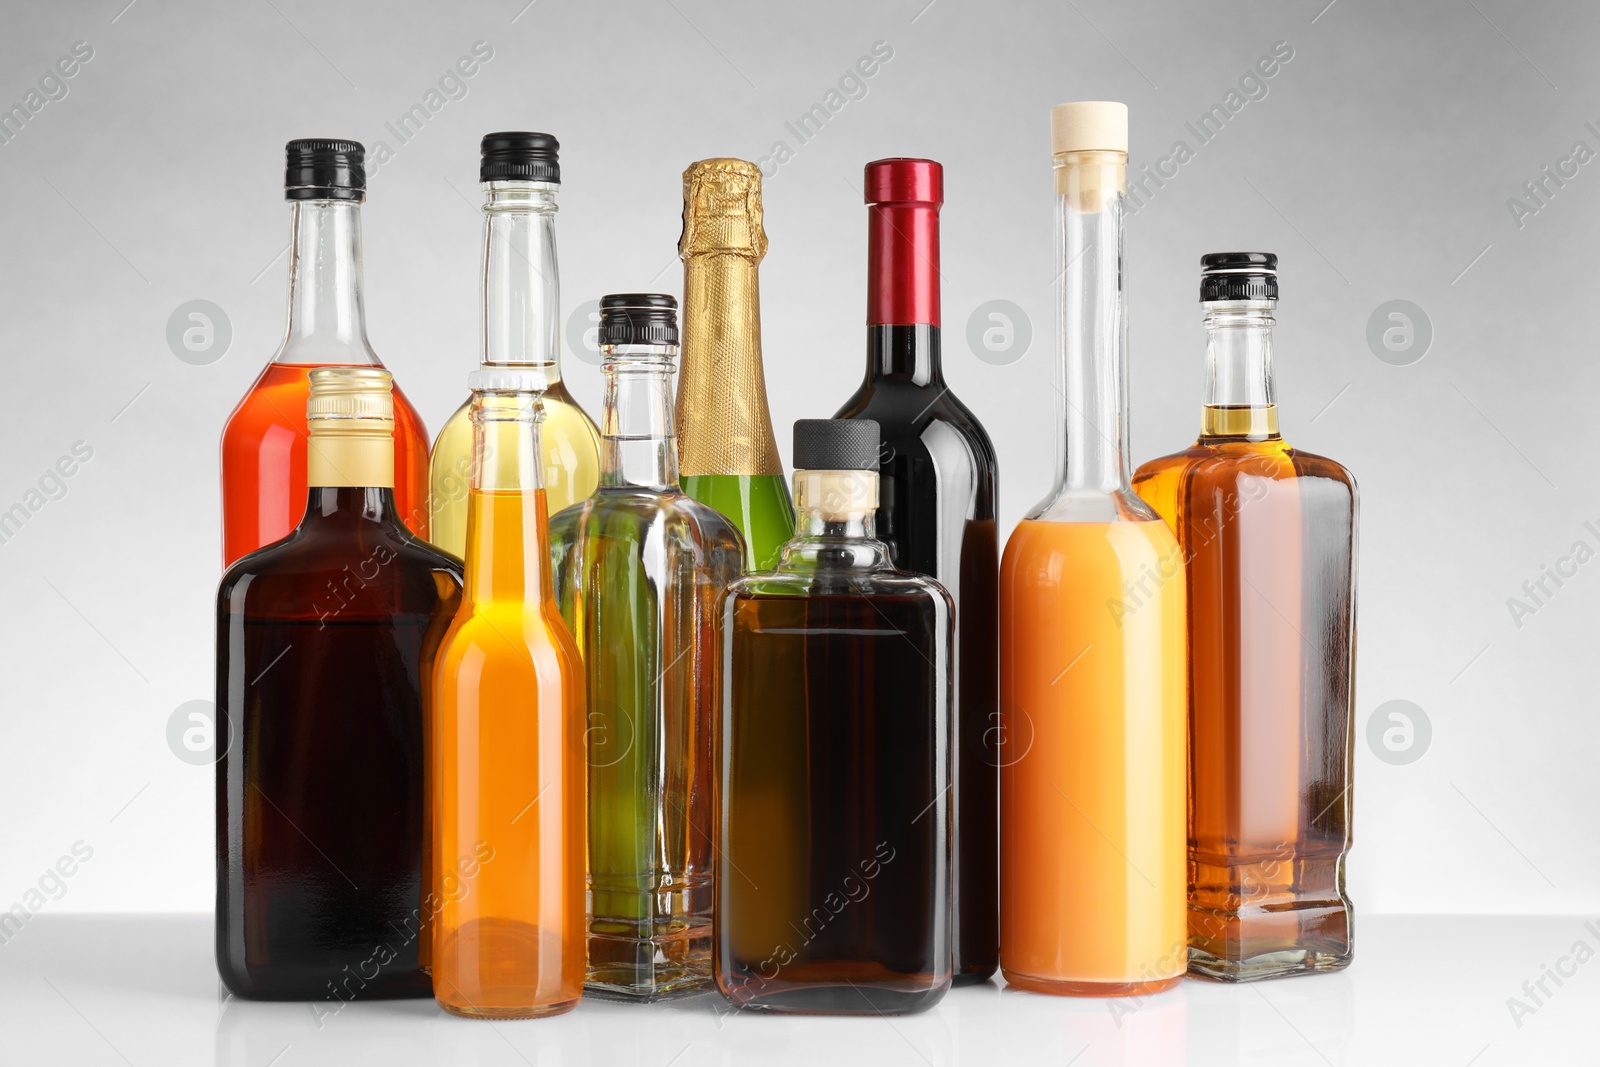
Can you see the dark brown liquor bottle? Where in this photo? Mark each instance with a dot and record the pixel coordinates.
(324, 641)
(833, 890)
(937, 479)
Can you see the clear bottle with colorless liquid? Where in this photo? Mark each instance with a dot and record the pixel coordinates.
(639, 567)
(521, 330)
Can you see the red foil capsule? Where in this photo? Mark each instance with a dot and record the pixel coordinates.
(903, 199)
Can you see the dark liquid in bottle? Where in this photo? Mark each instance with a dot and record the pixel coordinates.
(323, 640)
(936, 513)
(835, 872)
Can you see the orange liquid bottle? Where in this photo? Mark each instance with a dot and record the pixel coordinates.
(507, 749)
(1092, 669)
(264, 442)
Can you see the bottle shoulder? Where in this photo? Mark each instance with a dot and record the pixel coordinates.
(1210, 460)
(298, 572)
(834, 580)
(629, 515)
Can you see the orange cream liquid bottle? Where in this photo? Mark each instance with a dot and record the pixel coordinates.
(507, 748)
(1092, 646)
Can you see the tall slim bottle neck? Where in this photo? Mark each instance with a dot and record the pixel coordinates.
(508, 541)
(640, 441)
(521, 279)
(903, 291)
(725, 426)
(1239, 393)
(327, 313)
(1090, 209)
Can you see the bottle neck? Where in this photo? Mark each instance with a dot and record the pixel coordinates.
(508, 539)
(521, 280)
(724, 424)
(904, 354)
(1090, 210)
(331, 504)
(640, 442)
(327, 313)
(1239, 394)
(836, 521)
(903, 263)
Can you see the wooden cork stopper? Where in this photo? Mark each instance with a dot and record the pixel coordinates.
(1089, 126)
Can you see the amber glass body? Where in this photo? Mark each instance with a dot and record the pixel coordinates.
(833, 879)
(1269, 535)
(264, 462)
(323, 646)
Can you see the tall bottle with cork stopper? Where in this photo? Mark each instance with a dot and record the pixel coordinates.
(324, 641)
(1092, 669)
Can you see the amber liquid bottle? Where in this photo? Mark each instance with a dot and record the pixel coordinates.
(507, 747)
(1092, 645)
(1269, 534)
(264, 442)
(834, 873)
(323, 646)
(936, 514)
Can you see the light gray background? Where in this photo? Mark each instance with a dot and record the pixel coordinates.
(1378, 166)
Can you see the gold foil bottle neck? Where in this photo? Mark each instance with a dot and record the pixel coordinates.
(722, 210)
(724, 426)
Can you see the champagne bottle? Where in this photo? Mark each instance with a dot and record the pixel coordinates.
(727, 454)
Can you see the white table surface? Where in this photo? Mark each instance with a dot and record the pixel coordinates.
(142, 990)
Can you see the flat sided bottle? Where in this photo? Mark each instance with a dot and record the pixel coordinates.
(936, 514)
(521, 174)
(639, 567)
(1092, 663)
(264, 442)
(324, 641)
(507, 752)
(727, 454)
(1269, 535)
(833, 894)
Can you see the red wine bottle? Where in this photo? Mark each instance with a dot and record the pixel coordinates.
(937, 513)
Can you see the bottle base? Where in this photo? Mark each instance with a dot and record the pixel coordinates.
(972, 978)
(495, 1014)
(1284, 963)
(1303, 937)
(1070, 988)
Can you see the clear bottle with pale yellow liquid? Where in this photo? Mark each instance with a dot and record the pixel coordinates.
(1092, 639)
(521, 330)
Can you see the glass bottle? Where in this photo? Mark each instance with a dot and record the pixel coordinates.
(507, 748)
(1269, 535)
(638, 570)
(1092, 645)
(727, 455)
(834, 811)
(323, 642)
(521, 174)
(936, 515)
(264, 442)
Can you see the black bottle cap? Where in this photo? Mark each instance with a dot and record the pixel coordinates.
(638, 319)
(520, 157)
(836, 445)
(322, 169)
(1238, 276)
